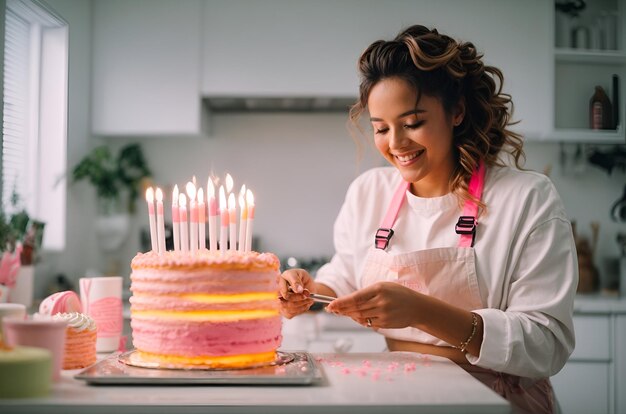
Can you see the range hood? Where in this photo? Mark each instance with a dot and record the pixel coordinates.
(279, 104)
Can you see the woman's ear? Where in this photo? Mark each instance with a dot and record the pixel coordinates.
(458, 112)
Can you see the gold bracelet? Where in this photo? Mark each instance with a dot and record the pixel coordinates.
(465, 344)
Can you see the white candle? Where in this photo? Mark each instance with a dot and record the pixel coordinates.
(175, 219)
(193, 225)
(153, 233)
(201, 219)
(229, 184)
(182, 208)
(223, 221)
(232, 220)
(212, 215)
(250, 205)
(160, 220)
(243, 217)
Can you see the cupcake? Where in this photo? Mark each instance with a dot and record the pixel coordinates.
(80, 342)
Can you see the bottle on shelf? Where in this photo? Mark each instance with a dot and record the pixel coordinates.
(600, 110)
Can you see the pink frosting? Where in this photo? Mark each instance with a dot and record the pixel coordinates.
(203, 280)
(158, 282)
(204, 258)
(194, 339)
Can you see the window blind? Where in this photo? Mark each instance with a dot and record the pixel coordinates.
(15, 124)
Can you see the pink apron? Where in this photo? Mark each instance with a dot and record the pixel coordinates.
(449, 274)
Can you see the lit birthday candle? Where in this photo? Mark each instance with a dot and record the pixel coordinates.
(232, 219)
(151, 218)
(201, 219)
(229, 184)
(223, 221)
(175, 219)
(212, 215)
(182, 208)
(243, 217)
(160, 220)
(250, 205)
(193, 212)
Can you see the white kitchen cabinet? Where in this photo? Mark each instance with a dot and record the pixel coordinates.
(578, 69)
(620, 363)
(583, 388)
(584, 384)
(146, 67)
(594, 378)
(282, 48)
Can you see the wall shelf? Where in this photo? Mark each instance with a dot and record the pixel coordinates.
(600, 57)
(588, 136)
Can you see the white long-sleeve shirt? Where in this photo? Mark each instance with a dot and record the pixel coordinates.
(525, 260)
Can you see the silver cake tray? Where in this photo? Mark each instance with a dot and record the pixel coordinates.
(291, 368)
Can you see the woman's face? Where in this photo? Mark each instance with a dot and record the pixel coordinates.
(417, 141)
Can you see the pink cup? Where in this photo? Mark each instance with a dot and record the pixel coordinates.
(41, 333)
(102, 300)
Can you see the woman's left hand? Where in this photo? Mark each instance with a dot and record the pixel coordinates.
(383, 304)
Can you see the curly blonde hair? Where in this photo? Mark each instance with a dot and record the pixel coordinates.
(438, 66)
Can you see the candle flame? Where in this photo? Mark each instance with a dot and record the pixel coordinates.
(242, 201)
(200, 195)
(231, 201)
(229, 183)
(193, 180)
(210, 189)
(222, 198)
(159, 195)
(191, 191)
(250, 198)
(175, 195)
(182, 200)
(150, 195)
(242, 192)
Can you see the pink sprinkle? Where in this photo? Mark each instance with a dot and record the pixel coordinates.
(410, 366)
(319, 359)
(304, 369)
(392, 366)
(345, 371)
(362, 372)
(367, 363)
(376, 375)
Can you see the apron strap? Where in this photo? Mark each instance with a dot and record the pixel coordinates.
(466, 226)
(385, 231)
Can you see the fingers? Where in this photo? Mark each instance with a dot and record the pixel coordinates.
(358, 301)
(296, 278)
(295, 305)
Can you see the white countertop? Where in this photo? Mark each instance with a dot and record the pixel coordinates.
(393, 382)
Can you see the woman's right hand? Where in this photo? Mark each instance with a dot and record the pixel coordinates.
(294, 287)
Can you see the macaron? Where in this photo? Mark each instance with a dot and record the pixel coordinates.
(61, 302)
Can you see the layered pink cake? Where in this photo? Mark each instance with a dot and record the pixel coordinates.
(206, 310)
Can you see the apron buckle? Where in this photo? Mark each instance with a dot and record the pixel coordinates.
(466, 225)
(381, 240)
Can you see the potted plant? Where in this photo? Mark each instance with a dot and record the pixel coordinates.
(20, 241)
(117, 181)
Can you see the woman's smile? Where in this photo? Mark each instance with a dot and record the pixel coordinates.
(406, 159)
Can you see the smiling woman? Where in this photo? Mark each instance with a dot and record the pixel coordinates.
(35, 115)
(451, 251)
